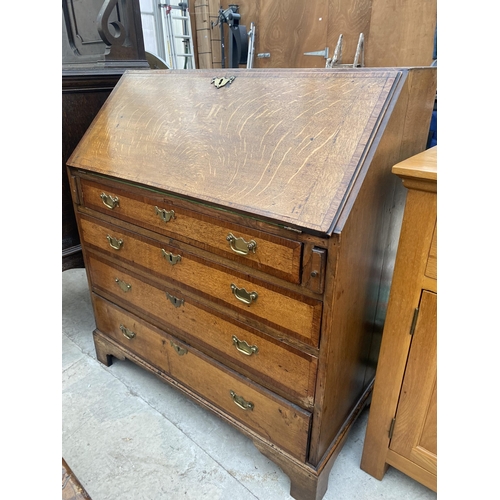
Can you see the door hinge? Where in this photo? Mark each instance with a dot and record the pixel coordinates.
(391, 428)
(414, 321)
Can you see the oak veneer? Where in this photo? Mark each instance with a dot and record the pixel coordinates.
(402, 426)
(294, 164)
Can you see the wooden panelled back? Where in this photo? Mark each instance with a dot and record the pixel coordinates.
(396, 33)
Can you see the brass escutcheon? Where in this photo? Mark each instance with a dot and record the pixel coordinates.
(243, 296)
(128, 333)
(219, 82)
(109, 201)
(244, 347)
(164, 215)
(175, 301)
(240, 246)
(115, 243)
(178, 349)
(170, 257)
(239, 401)
(124, 286)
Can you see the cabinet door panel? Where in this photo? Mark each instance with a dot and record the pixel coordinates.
(415, 432)
(286, 30)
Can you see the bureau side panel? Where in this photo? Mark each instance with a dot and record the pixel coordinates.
(356, 300)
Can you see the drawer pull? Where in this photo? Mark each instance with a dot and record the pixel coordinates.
(109, 201)
(170, 257)
(124, 286)
(239, 401)
(164, 215)
(115, 243)
(243, 346)
(178, 349)
(243, 296)
(128, 333)
(175, 301)
(240, 246)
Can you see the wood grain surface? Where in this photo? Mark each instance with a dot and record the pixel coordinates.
(261, 145)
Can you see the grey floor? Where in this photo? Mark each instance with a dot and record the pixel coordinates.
(126, 435)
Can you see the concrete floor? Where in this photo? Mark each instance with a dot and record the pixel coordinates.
(128, 436)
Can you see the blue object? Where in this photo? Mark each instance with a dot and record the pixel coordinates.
(432, 140)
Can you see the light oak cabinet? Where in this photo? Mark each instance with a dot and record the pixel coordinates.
(238, 241)
(402, 425)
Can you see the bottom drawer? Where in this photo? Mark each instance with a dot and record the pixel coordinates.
(262, 411)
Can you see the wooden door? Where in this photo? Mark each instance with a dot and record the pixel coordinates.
(286, 30)
(415, 430)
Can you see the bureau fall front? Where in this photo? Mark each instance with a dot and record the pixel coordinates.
(239, 233)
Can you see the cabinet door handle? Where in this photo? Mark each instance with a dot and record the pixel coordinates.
(109, 201)
(115, 243)
(243, 347)
(239, 401)
(128, 333)
(243, 296)
(164, 215)
(240, 246)
(170, 257)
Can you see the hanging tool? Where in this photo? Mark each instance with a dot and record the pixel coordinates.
(336, 59)
(251, 46)
(238, 39)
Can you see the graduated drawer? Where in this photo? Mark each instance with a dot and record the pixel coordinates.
(280, 308)
(272, 363)
(274, 255)
(260, 410)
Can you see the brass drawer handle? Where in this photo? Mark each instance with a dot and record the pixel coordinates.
(239, 401)
(243, 296)
(170, 257)
(115, 243)
(164, 215)
(243, 346)
(109, 201)
(178, 349)
(175, 301)
(124, 286)
(128, 333)
(240, 246)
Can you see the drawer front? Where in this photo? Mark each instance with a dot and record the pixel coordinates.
(131, 333)
(280, 308)
(272, 363)
(272, 417)
(262, 411)
(271, 254)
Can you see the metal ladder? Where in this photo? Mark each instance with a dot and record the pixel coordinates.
(173, 30)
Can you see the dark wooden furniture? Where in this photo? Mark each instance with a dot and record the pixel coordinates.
(402, 426)
(239, 241)
(92, 63)
(72, 489)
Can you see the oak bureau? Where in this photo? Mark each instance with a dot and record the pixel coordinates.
(239, 233)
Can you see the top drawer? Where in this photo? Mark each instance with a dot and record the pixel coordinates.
(271, 254)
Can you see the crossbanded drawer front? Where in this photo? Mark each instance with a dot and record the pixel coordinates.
(260, 410)
(282, 309)
(131, 333)
(272, 417)
(274, 364)
(274, 255)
